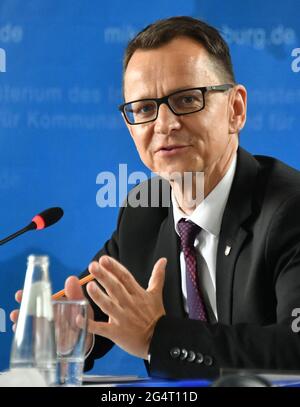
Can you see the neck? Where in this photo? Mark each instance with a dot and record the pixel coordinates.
(192, 190)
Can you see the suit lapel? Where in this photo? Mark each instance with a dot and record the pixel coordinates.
(168, 246)
(233, 231)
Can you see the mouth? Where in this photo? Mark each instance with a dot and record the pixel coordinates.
(171, 149)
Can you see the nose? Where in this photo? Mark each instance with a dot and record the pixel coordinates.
(166, 120)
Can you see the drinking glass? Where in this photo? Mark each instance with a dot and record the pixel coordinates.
(70, 320)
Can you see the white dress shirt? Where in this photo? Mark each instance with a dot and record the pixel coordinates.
(208, 215)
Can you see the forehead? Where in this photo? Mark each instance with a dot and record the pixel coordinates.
(179, 64)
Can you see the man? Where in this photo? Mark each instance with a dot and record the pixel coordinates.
(226, 298)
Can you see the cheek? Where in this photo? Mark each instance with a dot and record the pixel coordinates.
(142, 140)
(213, 125)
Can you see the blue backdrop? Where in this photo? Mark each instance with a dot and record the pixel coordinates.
(60, 83)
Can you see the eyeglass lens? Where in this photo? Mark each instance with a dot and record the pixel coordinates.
(183, 102)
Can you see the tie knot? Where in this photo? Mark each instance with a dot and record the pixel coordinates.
(188, 232)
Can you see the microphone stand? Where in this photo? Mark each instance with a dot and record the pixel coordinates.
(31, 226)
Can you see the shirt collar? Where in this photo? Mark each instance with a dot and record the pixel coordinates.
(209, 213)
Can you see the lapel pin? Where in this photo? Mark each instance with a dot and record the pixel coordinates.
(227, 250)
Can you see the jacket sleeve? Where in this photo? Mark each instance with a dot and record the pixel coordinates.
(102, 345)
(183, 348)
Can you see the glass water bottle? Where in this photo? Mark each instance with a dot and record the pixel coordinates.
(34, 340)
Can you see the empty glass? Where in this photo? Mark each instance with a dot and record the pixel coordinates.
(70, 319)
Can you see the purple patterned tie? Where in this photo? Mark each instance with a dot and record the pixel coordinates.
(188, 232)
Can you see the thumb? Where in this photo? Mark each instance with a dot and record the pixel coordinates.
(157, 278)
(73, 289)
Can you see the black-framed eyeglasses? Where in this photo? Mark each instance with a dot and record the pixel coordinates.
(182, 102)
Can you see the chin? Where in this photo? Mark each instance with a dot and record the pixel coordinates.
(165, 170)
(172, 174)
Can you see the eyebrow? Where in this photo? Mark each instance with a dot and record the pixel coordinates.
(168, 93)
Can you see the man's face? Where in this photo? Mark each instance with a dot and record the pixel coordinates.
(201, 141)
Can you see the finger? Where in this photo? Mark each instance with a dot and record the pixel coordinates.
(81, 322)
(18, 296)
(93, 267)
(100, 328)
(157, 279)
(121, 273)
(113, 287)
(73, 289)
(106, 304)
(14, 315)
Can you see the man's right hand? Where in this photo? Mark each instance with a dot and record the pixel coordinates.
(73, 291)
(15, 313)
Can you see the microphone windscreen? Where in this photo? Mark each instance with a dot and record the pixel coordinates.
(48, 217)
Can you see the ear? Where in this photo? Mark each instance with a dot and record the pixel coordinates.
(237, 109)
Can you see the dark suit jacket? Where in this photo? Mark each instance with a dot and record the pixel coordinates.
(257, 284)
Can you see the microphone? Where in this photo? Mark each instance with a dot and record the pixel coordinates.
(41, 221)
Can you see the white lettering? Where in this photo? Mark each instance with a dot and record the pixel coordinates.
(259, 37)
(106, 196)
(296, 62)
(2, 320)
(119, 397)
(11, 34)
(2, 60)
(296, 321)
(155, 194)
(138, 197)
(119, 34)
